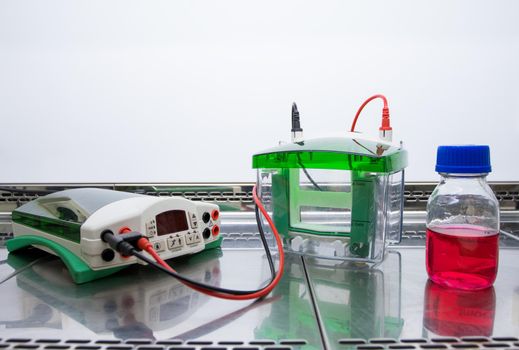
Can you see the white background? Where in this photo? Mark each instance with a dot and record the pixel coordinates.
(166, 91)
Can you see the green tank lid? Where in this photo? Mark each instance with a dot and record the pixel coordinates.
(340, 153)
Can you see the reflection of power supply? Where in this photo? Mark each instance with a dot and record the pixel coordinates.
(134, 303)
(70, 224)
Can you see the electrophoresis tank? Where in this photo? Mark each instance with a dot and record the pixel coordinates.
(336, 197)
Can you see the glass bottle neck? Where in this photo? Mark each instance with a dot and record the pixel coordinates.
(462, 176)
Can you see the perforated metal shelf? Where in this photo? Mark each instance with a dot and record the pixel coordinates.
(176, 344)
(415, 194)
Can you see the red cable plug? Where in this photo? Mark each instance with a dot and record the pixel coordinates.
(385, 120)
(385, 130)
(385, 127)
(143, 243)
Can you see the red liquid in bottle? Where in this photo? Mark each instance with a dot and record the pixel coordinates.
(462, 256)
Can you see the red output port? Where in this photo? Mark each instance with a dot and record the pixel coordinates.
(125, 229)
(215, 230)
(215, 214)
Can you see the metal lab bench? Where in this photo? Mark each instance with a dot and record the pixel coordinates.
(319, 304)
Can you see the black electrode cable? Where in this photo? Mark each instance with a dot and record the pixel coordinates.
(307, 174)
(188, 280)
(297, 135)
(264, 242)
(118, 243)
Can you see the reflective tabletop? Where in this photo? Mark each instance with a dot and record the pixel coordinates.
(317, 304)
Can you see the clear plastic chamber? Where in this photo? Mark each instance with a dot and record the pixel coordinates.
(337, 198)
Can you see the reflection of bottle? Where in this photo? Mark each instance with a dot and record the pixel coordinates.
(454, 312)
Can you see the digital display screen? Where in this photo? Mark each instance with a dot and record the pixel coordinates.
(171, 221)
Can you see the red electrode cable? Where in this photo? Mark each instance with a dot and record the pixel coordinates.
(385, 125)
(145, 245)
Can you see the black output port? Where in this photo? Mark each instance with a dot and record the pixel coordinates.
(207, 233)
(206, 217)
(108, 255)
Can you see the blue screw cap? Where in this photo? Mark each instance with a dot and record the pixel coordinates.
(469, 159)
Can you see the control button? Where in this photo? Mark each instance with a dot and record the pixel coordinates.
(193, 219)
(198, 237)
(206, 233)
(190, 238)
(206, 217)
(159, 246)
(175, 242)
(151, 228)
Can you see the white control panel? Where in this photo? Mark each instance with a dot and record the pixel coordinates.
(174, 226)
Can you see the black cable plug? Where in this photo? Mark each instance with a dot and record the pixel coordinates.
(297, 131)
(124, 244)
(296, 125)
